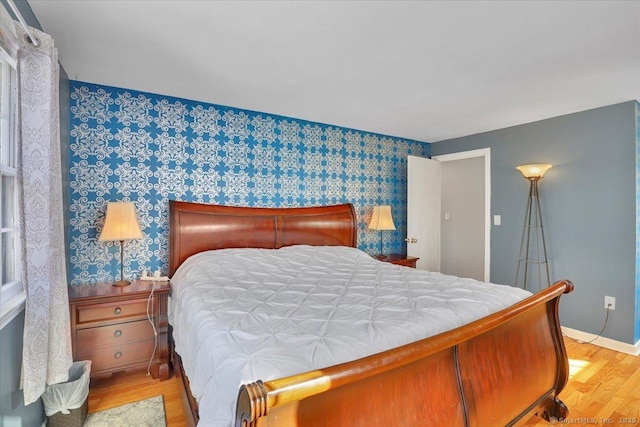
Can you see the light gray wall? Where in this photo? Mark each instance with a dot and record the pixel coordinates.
(588, 208)
(462, 235)
(11, 399)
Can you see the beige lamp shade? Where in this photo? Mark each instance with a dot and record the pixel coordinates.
(534, 171)
(121, 223)
(381, 218)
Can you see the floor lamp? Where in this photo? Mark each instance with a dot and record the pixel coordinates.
(381, 220)
(533, 224)
(120, 224)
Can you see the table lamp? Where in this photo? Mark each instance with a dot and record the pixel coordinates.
(120, 224)
(381, 220)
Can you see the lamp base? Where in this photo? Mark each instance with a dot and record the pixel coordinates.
(380, 256)
(121, 283)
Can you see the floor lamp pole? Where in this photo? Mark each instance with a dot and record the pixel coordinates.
(532, 220)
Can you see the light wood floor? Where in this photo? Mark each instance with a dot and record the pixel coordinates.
(603, 388)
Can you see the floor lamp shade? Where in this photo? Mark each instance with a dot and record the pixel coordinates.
(534, 170)
(381, 220)
(120, 224)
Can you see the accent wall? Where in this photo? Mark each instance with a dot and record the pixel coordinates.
(127, 145)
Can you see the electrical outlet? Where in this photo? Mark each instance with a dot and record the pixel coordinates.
(609, 303)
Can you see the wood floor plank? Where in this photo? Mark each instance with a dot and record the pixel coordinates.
(631, 386)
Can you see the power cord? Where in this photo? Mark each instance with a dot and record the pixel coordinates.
(606, 318)
(155, 331)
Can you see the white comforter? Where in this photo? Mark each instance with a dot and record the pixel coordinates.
(239, 315)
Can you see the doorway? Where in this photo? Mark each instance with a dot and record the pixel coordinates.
(448, 213)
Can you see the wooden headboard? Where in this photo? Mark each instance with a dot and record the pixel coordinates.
(196, 227)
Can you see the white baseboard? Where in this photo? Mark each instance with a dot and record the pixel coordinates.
(605, 342)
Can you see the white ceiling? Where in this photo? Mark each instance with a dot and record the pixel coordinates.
(422, 70)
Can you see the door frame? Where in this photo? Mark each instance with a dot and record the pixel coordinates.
(486, 153)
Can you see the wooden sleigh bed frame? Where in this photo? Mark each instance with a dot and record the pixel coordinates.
(497, 371)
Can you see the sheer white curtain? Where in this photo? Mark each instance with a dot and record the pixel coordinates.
(46, 355)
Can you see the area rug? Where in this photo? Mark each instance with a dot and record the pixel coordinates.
(148, 412)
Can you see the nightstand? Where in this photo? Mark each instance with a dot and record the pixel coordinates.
(110, 326)
(407, 261)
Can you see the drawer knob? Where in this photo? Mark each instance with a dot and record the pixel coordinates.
(117, 311)
(118, 355)
(117, 333)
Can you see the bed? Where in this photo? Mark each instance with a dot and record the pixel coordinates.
(499, 368)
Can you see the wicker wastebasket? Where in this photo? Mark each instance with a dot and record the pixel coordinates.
(75, 417)
(66, 403)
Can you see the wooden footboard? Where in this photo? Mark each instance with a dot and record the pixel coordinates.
(492, 372)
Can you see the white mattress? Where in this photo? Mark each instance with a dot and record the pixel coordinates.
(240, 315)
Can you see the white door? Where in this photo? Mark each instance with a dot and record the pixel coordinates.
(423, 212)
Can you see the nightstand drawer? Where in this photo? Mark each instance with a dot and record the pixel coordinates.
(122, 333)
(118, 356)
(111, 311)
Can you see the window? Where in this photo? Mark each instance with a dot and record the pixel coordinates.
(12, 292)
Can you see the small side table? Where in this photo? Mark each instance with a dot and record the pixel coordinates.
(407, 261)
(117, 327)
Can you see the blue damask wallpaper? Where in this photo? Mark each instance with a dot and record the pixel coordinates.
(148, 149)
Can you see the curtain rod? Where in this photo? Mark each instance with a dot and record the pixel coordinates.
(32, 39)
